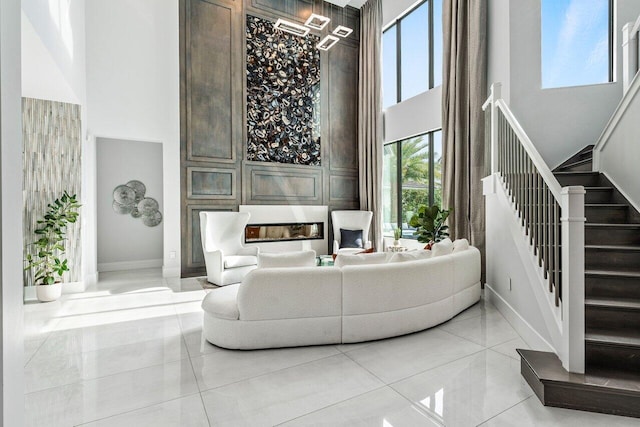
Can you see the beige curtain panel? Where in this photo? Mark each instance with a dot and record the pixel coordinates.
(370, 116)
(464, 91)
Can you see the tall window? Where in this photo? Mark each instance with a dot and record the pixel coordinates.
(412, 53)
(577, 42)
(411, 177)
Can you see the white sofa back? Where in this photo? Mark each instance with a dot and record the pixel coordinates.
(289, 293)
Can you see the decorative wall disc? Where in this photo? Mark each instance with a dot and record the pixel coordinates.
(152, 220)
(148, 206)
(139, 188)
(135, 212)
(122, 209)
(124, 195)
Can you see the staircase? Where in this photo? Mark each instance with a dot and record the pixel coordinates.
(611, 383)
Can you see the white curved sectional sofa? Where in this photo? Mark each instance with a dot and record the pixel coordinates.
(298, 306)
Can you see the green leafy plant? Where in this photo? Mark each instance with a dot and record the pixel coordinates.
(429, 223)
(397, 233)
(47, 262)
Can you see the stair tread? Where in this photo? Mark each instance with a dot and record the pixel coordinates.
(626, 303)
(617, 337)
(606, 205)
(614, 247)
(620, 225)
(548, 368)
(598, 188)
(577, 173)
(613, 273)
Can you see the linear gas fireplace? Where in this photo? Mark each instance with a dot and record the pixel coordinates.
(278, 228)
(255, 233)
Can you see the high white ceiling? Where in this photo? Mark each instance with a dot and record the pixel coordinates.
(353, 3)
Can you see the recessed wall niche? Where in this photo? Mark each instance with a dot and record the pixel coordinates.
(283, 95)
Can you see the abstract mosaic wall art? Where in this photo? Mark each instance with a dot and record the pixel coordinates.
(283, 95)
(52, 151)
(129, 199)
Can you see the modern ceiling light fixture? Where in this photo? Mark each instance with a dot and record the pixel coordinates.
(317, 22)
(342, 31)
(327, 42)
(291, 27)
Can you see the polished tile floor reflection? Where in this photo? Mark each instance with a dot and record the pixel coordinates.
(129, 352)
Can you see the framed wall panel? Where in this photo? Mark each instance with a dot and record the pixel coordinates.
(343, 188)
(211, 183)
(343, 115)
(212, 80)
(266, 183)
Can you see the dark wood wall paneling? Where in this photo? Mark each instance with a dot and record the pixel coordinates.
(215, 174)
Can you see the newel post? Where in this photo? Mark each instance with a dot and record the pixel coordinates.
(496, 94)
(573, 219)
(629, 55)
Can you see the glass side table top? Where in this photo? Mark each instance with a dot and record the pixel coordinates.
(324, 261)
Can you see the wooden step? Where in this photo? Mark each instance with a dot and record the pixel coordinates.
(599, 390)
(616, 314)
(598, 195)
(586, 179)
(585, 153)
(612, 234)
(612, 257)
(613, 348)
(581, 165)
(607, 213)
(612, 284)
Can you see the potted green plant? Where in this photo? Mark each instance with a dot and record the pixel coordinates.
(46, 261)
(397, 235)
(429, 223)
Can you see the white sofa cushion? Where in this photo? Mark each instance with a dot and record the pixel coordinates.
(222, 302)
(415, 255)
(361, 259)
(466, 268)
(387, 287)
(234, 261)
(287, 259)
(289, 293)
(460, 245)
(443, 247)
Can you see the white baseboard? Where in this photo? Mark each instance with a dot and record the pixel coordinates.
(522, 327)
(130, 265)
(170, 271)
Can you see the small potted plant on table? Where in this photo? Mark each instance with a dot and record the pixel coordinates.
(46, 262)
(429, 224)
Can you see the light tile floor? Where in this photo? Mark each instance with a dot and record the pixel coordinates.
(129, 352)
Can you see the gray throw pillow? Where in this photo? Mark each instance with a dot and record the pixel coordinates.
(351, 238)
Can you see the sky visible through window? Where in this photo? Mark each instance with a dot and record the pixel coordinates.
(575, 42)
(413, 33)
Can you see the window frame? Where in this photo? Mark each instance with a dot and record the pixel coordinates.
(397, 23)
(399, 178)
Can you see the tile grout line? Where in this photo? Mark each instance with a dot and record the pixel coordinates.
(507, 409)
(195, 377)
(134, 410)
(268, 373)
(333, 404)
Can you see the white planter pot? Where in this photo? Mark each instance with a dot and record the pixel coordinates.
(46, 293)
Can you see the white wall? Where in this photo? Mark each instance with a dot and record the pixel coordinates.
(416, 115)
(11, 309)
(54, 68)
(559, 121)
(133, 90)
(125, 242)
(53, 51)
(620, 149)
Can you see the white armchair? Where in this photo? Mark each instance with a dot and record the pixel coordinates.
(351, 220)
(226, 258)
